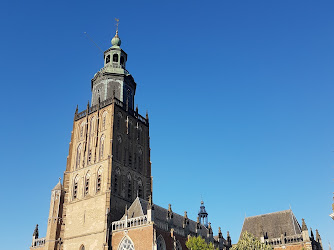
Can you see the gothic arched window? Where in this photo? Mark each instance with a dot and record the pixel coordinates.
(108, 59)
(82, 247)
(75, 187)
(87, 183)
(161, 243)
(126, 244)
(98, 179)
(101, 147)
(115, 58)
(77, 164)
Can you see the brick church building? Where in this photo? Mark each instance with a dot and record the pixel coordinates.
(105, 199)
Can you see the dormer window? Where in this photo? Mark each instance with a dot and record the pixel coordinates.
(115, 58)
(108, 59)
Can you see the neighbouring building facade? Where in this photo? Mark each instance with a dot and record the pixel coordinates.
(108, 170)
(281, 230)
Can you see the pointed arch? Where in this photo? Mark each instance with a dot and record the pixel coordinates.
(178, 245)
(126, 244)
(82, 247)
(161, 245)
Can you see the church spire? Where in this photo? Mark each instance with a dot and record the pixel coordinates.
(113, 81)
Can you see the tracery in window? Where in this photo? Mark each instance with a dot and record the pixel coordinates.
(126, 244)
(75, 187)
(98, 179)
(161, 243)
(178, 246)
(87, 183)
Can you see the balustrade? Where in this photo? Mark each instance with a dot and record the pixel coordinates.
(38, 242)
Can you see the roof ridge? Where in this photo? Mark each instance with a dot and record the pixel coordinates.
(260, 215)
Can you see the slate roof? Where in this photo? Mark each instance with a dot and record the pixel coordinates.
(272, 224)
(139, 208)
(58, 186)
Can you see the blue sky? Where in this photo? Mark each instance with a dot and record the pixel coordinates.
(239, 95)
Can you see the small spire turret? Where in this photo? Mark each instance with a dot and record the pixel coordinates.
(203, 215)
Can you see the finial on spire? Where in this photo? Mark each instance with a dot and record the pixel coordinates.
(117, 23)
(304, 227)
(59, 179)
(116, 41)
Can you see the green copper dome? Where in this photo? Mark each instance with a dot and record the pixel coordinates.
(116, 41)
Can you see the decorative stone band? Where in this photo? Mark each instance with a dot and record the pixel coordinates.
(129, 223)
(38, 242)
(107, 103)
(285, 240)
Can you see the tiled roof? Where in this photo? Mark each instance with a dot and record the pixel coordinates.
(272, 224)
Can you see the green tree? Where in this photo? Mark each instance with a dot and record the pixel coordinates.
(198, 243)
(248, 242)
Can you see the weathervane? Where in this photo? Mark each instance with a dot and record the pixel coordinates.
(117, 23)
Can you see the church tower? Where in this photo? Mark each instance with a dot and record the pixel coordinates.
(108, 165)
